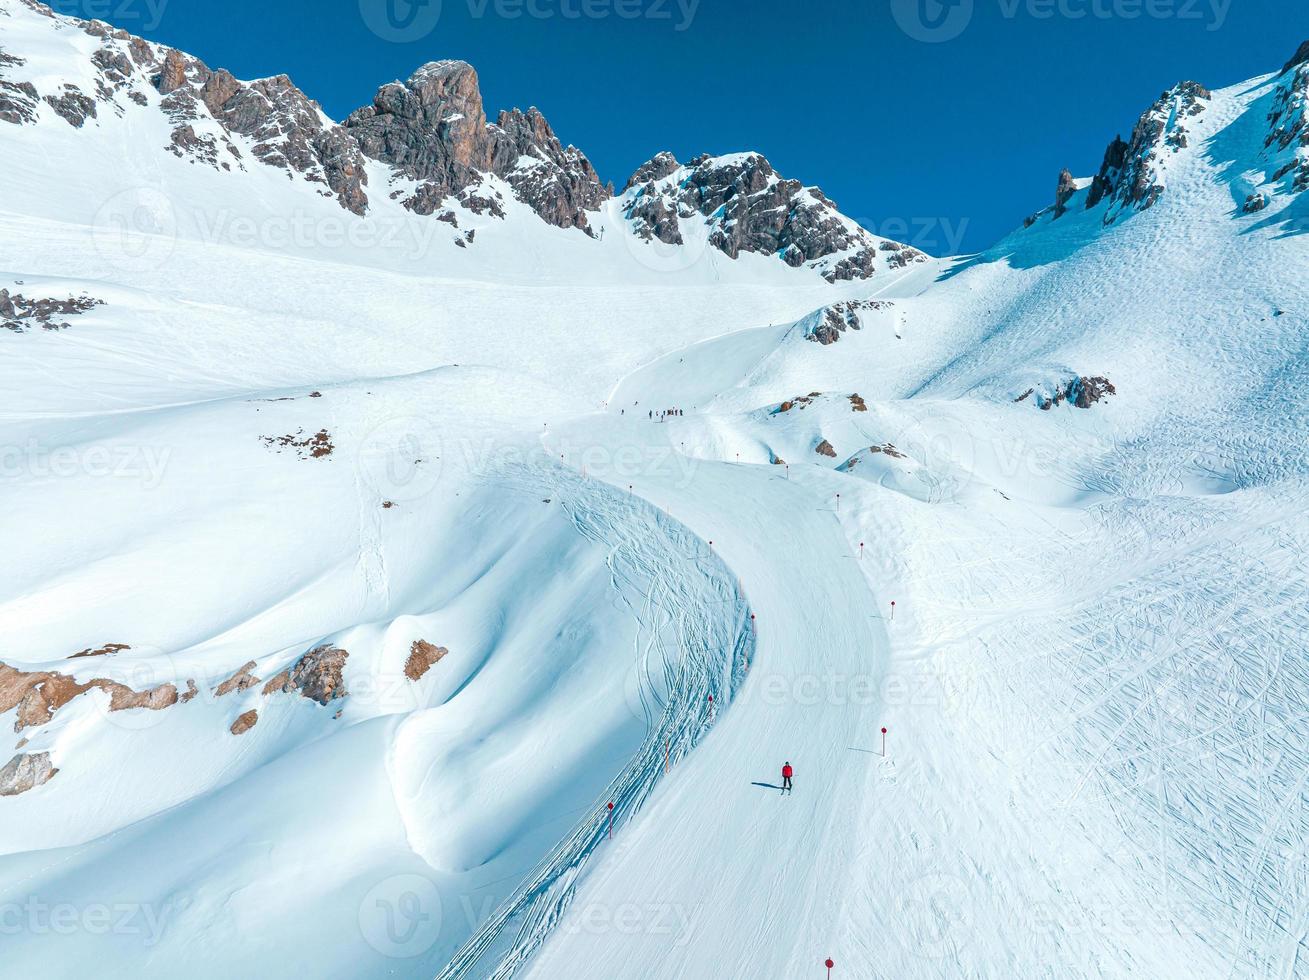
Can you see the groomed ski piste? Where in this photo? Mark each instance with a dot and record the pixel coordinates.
(1093, 682)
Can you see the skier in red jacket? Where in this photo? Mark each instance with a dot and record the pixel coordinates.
(787, 772)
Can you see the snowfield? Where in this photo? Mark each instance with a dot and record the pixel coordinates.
(351, 573)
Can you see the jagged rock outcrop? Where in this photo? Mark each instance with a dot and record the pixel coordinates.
(19, 313)
(18, 100)
(658, 167)
(1115, 158)
(1286, 146)
(422, 657)
(826, 325)
(1080, 392)
(433, 129)
(1300, 57)
(242, 680)
(319, 676)
(749, 207)
(26, 772)
(1131, 176)
(555, 181)
(1064, 192)
(37, 695)
(290, 133)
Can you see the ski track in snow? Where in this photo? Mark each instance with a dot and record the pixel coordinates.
(693, 634)
(1095, 685)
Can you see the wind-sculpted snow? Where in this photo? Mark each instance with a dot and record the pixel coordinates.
(694, 643)
(349, 579)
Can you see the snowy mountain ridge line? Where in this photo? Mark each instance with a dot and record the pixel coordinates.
(1076, 462)
(430, 132)
(1134, 173)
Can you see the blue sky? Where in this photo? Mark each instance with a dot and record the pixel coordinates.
(942, 125)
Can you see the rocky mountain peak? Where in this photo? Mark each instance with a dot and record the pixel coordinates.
(657, 168)
(746, 206)
(1286, 147)
(1131, 176)
(1301, 57)
(433, 129)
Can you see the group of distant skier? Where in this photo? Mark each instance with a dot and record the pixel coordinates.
(667, 413)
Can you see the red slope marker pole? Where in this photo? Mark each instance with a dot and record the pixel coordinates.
(861, 551)
(838, 503)
(893, 610)
(883, 743)
(829, 964)
(611, 821)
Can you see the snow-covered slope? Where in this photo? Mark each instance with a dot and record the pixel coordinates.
(352, 572)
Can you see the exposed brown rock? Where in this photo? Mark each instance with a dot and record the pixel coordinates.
(857, 404)
(799, 401)
(318, 676)
(824, 448)
(433, 129)
(832, 321)
(172, 75)
(422, 655)
(279, 683)
(242, 680)
(19, 313)
(1064, 193)
(108, 650)
(72, 106)
(26, 772)
(313, 446)
(751, 208)
(245, 722)
(39, 694)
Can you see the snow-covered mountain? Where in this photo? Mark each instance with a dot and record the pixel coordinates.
(423, 145)
(385, 498)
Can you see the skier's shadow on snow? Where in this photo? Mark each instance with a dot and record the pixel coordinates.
(767, 785)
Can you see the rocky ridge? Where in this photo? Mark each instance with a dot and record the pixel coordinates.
(428, 141)
(746, 206)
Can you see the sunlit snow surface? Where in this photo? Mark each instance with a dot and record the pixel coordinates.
(1095, 682)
